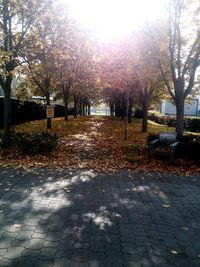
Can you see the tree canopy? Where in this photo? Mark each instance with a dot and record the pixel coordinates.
(61, 59)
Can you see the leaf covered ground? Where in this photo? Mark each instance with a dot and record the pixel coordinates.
(96, 143)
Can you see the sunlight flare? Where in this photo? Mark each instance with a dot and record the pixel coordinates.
(114, 18)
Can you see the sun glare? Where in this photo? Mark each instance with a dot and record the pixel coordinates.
(110, 19)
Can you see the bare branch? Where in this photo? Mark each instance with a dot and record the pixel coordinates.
(179, 44)
(188, 60)
(166, 81)
(195, 64)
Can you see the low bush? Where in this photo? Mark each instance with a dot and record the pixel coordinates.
(32, 144)
(191, 124)
(134, 152)
(189, 148)
(24, 111)
(138, 113)
(162, 119)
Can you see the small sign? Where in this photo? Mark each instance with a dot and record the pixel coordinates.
(50, 112)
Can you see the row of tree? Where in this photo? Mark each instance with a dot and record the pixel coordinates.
(55, 58)
(160, 60)
(50, 55)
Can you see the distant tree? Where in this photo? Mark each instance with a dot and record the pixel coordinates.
(85, 87)
(150, 86)
(16, 20)
(40, 55)
(119, 77)
(66, 57)
(25, 89)
(74, 64)
(150, 91)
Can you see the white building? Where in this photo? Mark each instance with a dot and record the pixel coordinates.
(192, 108)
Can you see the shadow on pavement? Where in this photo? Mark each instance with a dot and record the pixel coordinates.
(84, 218)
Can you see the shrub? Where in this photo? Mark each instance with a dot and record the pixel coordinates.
(24, 111)
(189, 148)
(34, 143)
(138, 113)
(70, 111)
(191, 124)
(134, 152)
(162, 119)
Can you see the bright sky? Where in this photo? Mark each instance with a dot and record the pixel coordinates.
(110, 19)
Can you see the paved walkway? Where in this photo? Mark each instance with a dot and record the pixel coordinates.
(86, 219)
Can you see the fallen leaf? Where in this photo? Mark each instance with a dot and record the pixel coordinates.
(185, 228)
(95, 143)
(166, 205)
(17, 225)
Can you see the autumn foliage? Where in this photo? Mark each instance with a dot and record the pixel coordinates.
(44, 52)
(96, 143)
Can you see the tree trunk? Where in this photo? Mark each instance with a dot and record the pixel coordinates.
(48, 123)
(180, 116)
(130, 111)
(48, 119)
(89, 110)
(80, 108)
(7, 111)
(66, 108)
(112, 110)
(126, 104)
(123, 107)
(145, 117)
(75, 106)
(83, 109)
(117, 109)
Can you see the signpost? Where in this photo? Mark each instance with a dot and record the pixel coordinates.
(50, 111)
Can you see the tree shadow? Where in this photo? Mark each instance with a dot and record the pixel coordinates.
(84, 218)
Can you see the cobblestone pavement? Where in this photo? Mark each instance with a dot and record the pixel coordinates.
(87, 219)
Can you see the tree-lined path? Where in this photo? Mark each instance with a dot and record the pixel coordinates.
(96, 142)
(83, 190)
(84, 218)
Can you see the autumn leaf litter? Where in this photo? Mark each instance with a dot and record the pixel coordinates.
(95, 143)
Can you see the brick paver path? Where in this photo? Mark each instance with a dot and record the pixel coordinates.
(86, 219)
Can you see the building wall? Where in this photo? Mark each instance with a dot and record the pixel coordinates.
(191, 109)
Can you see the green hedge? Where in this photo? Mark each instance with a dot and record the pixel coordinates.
(138, 113)
(191, 124)
(32, 144)
(189, 148)
(23, 111)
